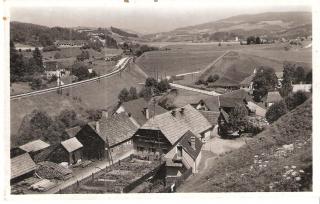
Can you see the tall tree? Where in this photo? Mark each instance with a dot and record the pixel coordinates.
(133, 94)
(238, 118)
(37, 57)
(264, 81)
(17, 68)
(123, 95)
(299, 75)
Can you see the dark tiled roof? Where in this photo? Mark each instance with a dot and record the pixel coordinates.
(21, 165)
(225, 82)
(136, 109)
(273, 96)
(234, 98)
(174, 126)
(71, 132)
(117, 128)
(211, 116)
(185, 142)
(212, 103)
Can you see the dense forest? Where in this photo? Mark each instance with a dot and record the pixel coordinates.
(123, 33)
(37, 35)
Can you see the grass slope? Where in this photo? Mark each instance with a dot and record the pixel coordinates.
(260, 165)
(92, 95)
(177, 60)
(236, 66)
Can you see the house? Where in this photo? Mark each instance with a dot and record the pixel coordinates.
(22, 167)
(280, 78)
(185, 154)
(161, 133)
(247, 84)
(35, 148)
(208, 104)
(212, 117)
(273, 97)
(230, 100)
(139, 109)
(73, 150)
(117, 131)
(54, 68)
(94, 146)
(70, 43)
(301, 87)
(226, 84)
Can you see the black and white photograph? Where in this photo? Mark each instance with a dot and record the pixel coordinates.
(160, 96)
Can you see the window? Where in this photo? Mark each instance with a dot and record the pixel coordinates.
(179, 151)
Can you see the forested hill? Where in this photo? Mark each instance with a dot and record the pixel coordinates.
(37, 35)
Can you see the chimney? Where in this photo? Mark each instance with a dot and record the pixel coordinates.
(173, 113)
(146, 113)
(98, 126)
(181, 111)
(193, 142)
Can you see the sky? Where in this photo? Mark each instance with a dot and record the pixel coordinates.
(142, 16)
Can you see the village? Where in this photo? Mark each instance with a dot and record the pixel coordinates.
(216, 107)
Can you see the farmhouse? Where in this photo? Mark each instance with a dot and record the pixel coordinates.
(22, 167)
(93, 144)
(161, 133)
(185, 154)
(247, 83)
(273, 97)
(117, 132)
(54, 68)
(70, 43)
(35, 148)
(301, 87)
(139, 109)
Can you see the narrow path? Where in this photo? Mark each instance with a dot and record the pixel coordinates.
(210, 93)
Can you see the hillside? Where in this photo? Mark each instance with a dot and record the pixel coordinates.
(271, 24)
(92, 95)
(236, 66)
(264, 164)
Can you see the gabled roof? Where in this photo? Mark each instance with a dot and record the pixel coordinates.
(211, 116)
(117, 128)
(34, 146)
(212, 103)
(247, 80)
(273, 96)
(185, 142)
(136, 109)
(279, 75)
(72, 132)
(71, 144)
(21, 165)
(234, 98)
(225, 82)
(174, 126)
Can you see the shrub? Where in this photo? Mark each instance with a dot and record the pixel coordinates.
(275, 111)
(123, 95)
(36, 84)
(295, 99)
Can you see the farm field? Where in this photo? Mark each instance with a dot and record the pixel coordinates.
(89, 96)
(176, 61)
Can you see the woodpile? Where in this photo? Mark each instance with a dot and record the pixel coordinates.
(50, 170)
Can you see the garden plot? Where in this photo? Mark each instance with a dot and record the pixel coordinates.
(119, 176)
